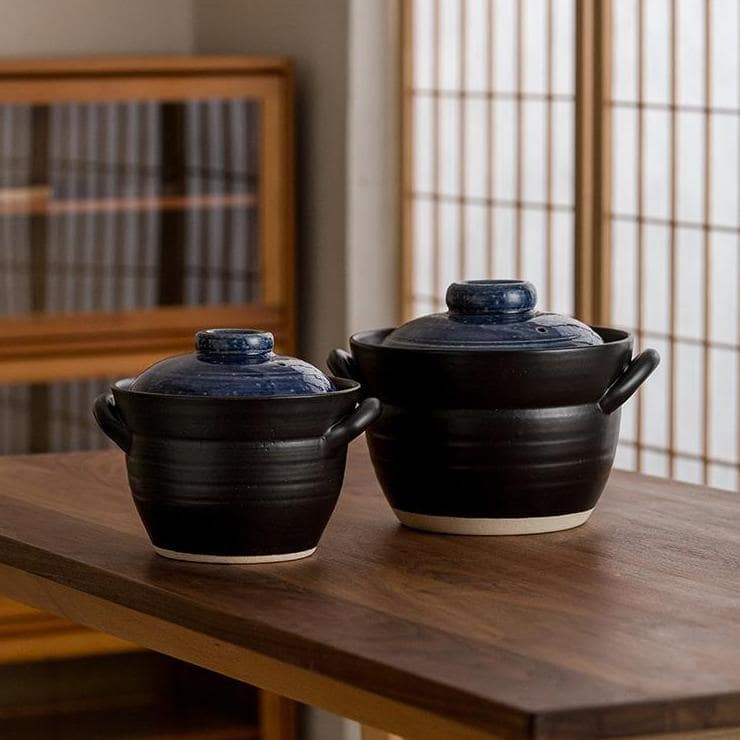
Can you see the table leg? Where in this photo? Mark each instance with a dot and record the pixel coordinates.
(278, 717)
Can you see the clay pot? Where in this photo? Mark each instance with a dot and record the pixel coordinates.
(222, 477)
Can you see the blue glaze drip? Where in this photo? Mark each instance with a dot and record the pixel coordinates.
(235, 363)
(493, 315)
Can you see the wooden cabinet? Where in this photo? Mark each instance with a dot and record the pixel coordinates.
(141, 199)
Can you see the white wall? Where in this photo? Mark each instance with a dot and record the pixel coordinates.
(373, 170)
(68, 27)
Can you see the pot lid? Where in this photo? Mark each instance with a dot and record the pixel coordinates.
(492, 315)
(233, 362)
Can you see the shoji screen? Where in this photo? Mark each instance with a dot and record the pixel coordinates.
(489, 113)
(675, 230)
(490, 99)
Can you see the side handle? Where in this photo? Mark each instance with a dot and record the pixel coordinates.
(343, 365)
(344, 431)
(637, 372)
(109, 419)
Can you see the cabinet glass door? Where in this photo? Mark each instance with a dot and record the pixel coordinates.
(124, 205)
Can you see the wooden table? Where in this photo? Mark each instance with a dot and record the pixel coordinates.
(627, 626)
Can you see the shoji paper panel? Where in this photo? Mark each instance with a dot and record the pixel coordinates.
(675, 230)
(489, 102)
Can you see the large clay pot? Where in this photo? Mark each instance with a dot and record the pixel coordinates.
(478, 437)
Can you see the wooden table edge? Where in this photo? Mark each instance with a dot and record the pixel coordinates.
(233, 660)
(262, 671)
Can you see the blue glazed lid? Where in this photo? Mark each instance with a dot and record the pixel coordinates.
(233, 362)
(492, 315)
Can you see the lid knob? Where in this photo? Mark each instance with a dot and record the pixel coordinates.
(241, 343)
(491, 297)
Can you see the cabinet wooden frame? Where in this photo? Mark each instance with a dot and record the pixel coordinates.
(49, 347)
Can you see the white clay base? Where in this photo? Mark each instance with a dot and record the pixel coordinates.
(234, 559)
(479, 526)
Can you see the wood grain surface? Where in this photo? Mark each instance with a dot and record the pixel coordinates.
(629, 625)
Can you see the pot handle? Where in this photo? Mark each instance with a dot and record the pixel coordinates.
(343, 365)
(109, 419)
(344, 431)
(637, 372)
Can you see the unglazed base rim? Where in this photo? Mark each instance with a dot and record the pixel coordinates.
(233, 559)
(484, 526)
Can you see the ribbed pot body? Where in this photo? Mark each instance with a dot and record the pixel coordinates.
(234, 478)
(492, 435)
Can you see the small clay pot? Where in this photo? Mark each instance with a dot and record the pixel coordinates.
(235, 479)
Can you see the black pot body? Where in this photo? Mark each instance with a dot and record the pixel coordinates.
(234, 480)
(486, 463)
(494, 442)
